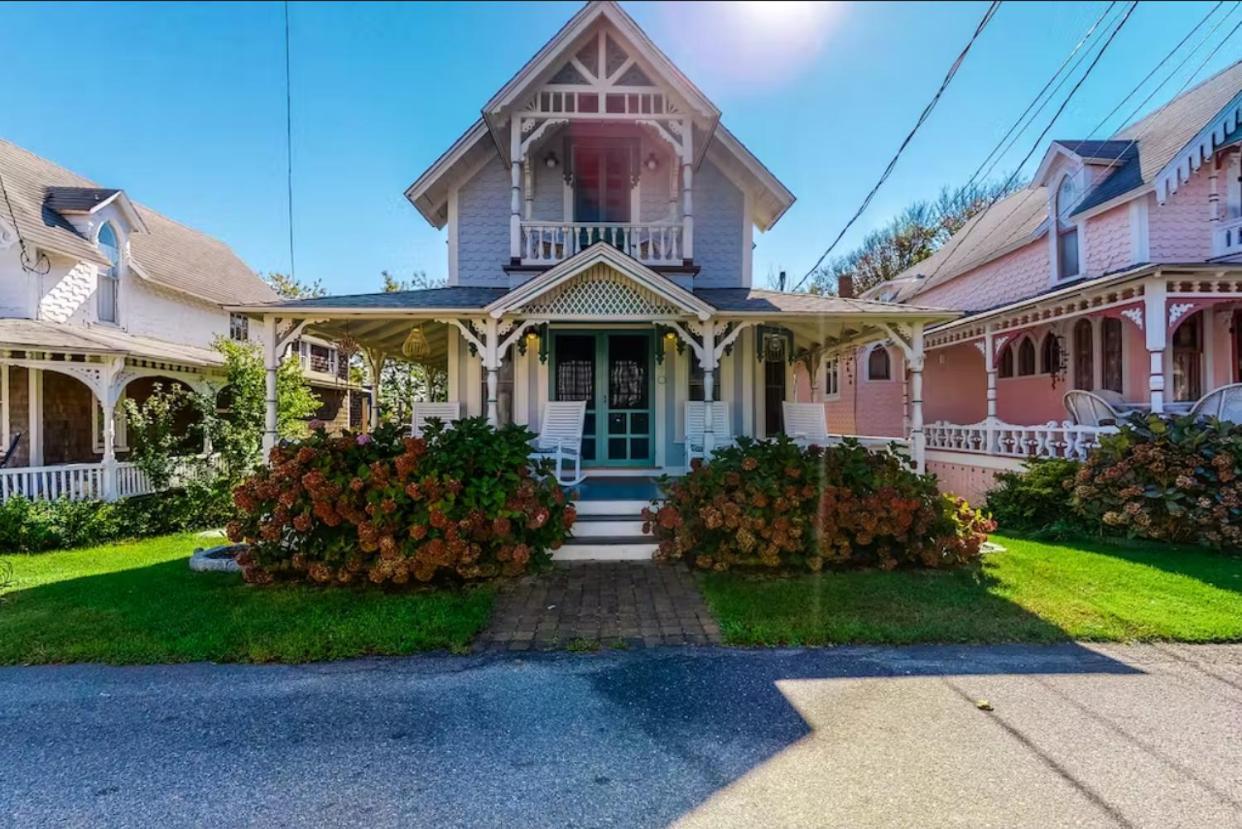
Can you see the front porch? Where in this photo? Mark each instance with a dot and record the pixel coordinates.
(62, 427)
(1155, 339)
(635, 345)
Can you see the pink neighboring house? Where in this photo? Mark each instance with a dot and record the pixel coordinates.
(1118, 271)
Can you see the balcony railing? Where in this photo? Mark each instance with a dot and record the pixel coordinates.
(1227, 237)
(546, 243)
(1051, 440)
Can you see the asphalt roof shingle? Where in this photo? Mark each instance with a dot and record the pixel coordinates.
(168, 254)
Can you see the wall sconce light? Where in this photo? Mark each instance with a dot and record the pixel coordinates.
(551, 161)
(652, 163)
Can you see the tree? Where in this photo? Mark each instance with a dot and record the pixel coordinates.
(289, 288)
(236, 420)
(403, 381)
(912, 236)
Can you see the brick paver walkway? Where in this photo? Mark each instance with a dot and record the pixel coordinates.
(590, 605)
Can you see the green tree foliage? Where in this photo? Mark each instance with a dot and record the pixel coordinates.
(915, 234)
(153, 427)
(289, 288)
(236, 418)
(404, 381)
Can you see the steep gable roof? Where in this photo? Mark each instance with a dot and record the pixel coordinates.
(167, 254)
(1140, 153)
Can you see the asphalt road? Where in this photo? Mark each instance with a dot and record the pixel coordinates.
(1077, 736)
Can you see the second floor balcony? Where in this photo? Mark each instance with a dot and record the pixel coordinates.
(548, 242)
(1227, 237)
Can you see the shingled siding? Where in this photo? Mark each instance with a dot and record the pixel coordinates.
(718, 209)
(483, 227)
(1180, 230)
(1109, 247)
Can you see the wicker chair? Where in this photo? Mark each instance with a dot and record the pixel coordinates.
(1089, 409)
(1223, 404)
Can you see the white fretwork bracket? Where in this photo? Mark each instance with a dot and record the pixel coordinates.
(292, 332)
(731, 337)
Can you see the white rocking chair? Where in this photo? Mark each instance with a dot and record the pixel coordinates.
(806, 423)
(447, 412)
(696, 426)
(560, 437)
(1223, 404)
(1089, 409)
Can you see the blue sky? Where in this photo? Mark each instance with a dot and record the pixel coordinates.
(184, 105)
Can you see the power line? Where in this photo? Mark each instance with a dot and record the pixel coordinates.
(289, 144)
(1129, 144)
(1039, 139)
(1006, 142)
(892, 164)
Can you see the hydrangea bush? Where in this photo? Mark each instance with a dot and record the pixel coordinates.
(774, 505)
(1176, 479)
(457, 504)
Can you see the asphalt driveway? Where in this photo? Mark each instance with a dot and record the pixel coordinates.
(1108, 736)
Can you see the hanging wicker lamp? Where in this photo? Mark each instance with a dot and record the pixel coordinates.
(416, 347)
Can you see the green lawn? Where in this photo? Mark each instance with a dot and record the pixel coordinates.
(1031, 592)
(140, 603)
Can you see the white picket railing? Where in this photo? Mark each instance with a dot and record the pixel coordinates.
(546, 243)
(86, 481)
(1050, 440)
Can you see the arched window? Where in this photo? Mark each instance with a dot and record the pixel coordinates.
(1113, 370)
(1006, 362)
(1050, 352)
(879, 367)
(1188, 359)
(1026, 357)
(1084, 355)
(1067, 233)
(110, 278)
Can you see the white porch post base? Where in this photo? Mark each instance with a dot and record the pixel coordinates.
(708, 361)
(918, 440)
(1155, 381)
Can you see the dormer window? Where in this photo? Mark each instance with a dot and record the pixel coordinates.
(1066, 232)
(110, 277)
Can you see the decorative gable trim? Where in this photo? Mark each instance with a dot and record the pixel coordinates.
(1198, 150)
(601, 282)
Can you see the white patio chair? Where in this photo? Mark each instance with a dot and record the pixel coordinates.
(696, 426)
(447, 412)
(1224, 403)
(1089, 409)
(560, 437)
(806, 423)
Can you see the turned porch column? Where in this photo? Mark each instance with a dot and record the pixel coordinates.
(491, 364)
(271, 362)
(918, 441)
(5, 412)
(687, 189)
(1155, 331)
(376, 359)
(515, 188)
(708, 361)
(989, 366)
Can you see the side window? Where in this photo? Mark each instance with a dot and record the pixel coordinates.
(696, 380)
(110, 277)
(1067, 233)
(1026, 357)
(879, 366)
(832, 377)
(239, 327)
(1006, 362)
(1051, 353)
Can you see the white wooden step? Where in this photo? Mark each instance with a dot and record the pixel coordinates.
(636, 550)
(608, 527)
(634, 508)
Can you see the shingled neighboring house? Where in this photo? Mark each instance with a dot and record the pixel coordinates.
(1117, 271)
(100, 298)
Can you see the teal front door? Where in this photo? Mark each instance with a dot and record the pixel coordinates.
(612, 373)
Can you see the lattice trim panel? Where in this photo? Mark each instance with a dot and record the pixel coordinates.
(601, 291)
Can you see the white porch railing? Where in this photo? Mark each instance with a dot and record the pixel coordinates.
(1227, 237)
(86, 481)
(546, 243)
(1051, 440)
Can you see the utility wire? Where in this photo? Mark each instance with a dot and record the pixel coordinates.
(892, 164)
(289, 144)
(1013, 133)
(1129, 144)
(1039, 139)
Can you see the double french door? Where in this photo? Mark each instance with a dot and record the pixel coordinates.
(612, 372)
